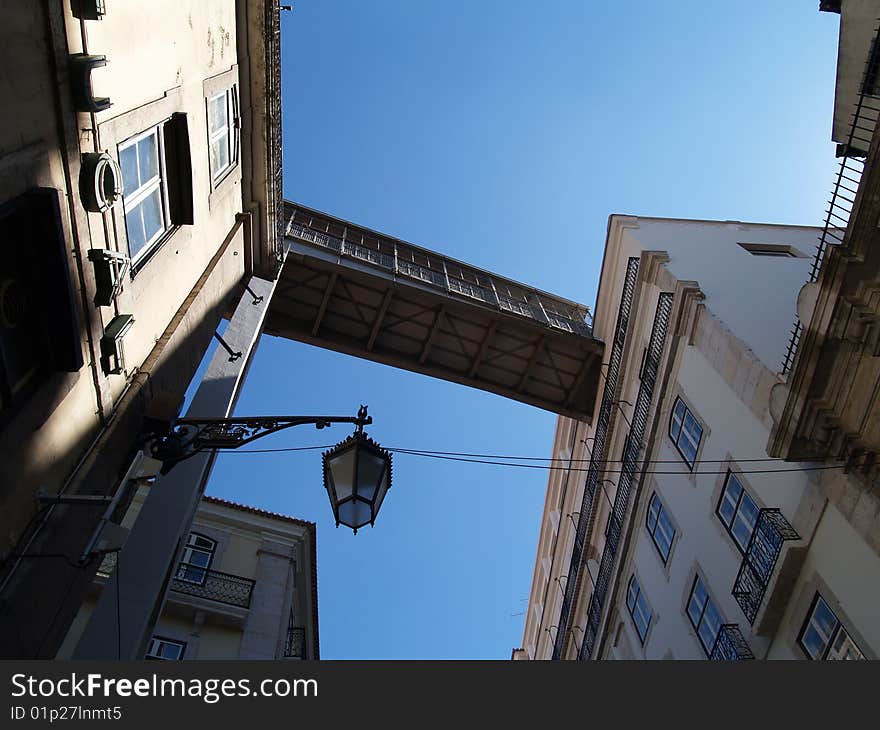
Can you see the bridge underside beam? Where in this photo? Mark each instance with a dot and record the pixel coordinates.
(343, 305)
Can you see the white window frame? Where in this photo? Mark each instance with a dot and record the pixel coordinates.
(189, 572)
(230, 95)
(636, 603)
(652, 530)
(699, 622)
(155, 649)
(677, 430)
(834, 641)
(737, 510)
(133, 198)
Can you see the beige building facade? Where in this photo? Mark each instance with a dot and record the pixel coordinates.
(671, 533)
(244, 588)
(140, 191)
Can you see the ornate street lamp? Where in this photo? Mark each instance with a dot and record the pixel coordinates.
(357, 474)
(357, 471)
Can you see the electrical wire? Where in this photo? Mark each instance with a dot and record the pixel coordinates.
(427, 452)
(505, 460)
(618, 471)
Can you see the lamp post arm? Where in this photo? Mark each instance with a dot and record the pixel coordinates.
(230, 433)
(189, 436)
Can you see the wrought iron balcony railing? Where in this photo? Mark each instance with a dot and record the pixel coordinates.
(195, 580)
(771, 531)
(226, 588)
(393, 257)
(295, 643)
(730, 645)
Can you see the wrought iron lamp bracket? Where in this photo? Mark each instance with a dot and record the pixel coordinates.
(190, 436)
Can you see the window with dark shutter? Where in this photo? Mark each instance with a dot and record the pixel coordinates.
(39, 326)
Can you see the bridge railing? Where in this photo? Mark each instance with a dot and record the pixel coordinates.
(532, 305)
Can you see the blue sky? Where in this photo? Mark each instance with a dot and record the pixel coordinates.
(504, 134)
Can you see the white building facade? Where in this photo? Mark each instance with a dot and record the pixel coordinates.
(670, 533)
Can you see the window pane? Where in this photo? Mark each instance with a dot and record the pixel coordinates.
(664, 535)
(692, 428)
(696, 602)
(128, 163)
(148, 158)
(710, 626)
(748, 511)
(675, 421)
(632, 593)
(197, 557)
(741, 532)
(152, 212)
(170, 651)
(689, 449)
(653, 508)
(217, 114)
(134, 228)
(823, 618)
(732, 491)
(844, 648)
(220, 154)
(813, 642)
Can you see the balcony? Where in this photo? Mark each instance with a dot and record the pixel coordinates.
(213, 585)
(194, 580)
(730, 645)
(295, 643)
(771, 531)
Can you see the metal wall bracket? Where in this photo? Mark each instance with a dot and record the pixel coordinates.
(110, 267)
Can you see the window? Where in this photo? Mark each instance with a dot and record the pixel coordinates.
(704, 615)
(223, 132)
(157, 182)
(166, 649)
(146, 192)
(660, 527)
(772, 249)
(638, 608)
(823, 636)
(39, 327)
(685, 431)
(197, 557)
(737, 511)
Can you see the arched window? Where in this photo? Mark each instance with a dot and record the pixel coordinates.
(197, 557)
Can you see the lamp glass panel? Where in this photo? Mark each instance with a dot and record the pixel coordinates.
(354, 513)
(370, 468)
(380, 492)
(342, 470)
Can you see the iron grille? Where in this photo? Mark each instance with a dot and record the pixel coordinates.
(849, 176)
(771, 531)
(197, 581)
(295, 643)
(628, 471)
(730, 645)
(597, 455)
